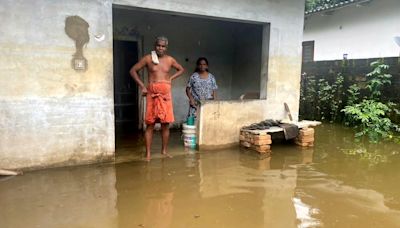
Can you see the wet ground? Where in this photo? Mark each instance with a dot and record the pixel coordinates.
(331, 185)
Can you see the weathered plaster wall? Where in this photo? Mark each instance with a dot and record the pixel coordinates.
(361, 32)
(50, 114)
(286, 17)
(220, 121)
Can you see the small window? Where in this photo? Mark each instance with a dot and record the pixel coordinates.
(308, 51)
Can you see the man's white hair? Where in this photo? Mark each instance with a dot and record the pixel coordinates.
(161, 38)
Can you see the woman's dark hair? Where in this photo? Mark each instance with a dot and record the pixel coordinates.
(198, 62)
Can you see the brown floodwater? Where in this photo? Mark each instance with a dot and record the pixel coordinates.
(338, 183)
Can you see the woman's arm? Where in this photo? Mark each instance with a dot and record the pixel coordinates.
(214, 94)
(214, 88)
(189, 94)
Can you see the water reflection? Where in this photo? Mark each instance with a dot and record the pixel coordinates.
(70, 197)
(159, 211)
(349, 191)
(146, 194)
(212, 189)
(305, 213)
(343, 205)
(295, 187)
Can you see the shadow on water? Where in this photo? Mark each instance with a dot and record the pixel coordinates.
(295, 187)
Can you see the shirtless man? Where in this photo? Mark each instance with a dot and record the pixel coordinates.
(158, 92)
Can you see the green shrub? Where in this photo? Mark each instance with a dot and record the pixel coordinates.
(370, 117)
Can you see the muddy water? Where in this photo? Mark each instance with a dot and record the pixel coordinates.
(319, 187)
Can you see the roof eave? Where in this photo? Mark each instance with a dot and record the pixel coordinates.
(336, 6)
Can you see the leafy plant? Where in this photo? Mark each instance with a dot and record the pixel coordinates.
(307, 96)
(354, 93)
(337, 101)
(325, 100)
(324, 96)
(377, 79)
(352, 99)
(370, 116)
(369, 119)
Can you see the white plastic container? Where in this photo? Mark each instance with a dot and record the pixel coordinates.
(189, 131)
(189, 136)
(189, 140)
(185, 126)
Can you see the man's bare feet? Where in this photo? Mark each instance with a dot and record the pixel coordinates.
(148, 157)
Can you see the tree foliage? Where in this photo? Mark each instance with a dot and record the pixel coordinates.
(370, 116)
(321, 4)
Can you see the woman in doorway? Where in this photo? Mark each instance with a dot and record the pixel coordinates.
(201, 86)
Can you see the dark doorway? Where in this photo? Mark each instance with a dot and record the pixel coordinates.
(126, 100)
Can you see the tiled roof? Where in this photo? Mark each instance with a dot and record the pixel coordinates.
(327, 5)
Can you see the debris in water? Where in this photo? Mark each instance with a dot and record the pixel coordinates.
(4, 172)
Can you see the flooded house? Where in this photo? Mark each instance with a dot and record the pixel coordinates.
(66, 92)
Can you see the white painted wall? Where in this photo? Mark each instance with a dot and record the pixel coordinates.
(360, 32)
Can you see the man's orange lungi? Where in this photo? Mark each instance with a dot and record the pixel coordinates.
(159, 107)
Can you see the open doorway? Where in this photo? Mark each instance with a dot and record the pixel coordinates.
(234, 50)
(126, 105)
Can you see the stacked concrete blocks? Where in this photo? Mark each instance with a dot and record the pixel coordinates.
(256, 140)
(305, 137)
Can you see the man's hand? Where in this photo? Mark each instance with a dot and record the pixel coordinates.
(144, 91)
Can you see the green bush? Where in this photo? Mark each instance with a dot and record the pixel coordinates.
(370, 117)
(322, 100)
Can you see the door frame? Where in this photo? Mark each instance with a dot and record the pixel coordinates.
(126, 34)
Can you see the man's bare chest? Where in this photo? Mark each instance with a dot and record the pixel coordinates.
(163, 66)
